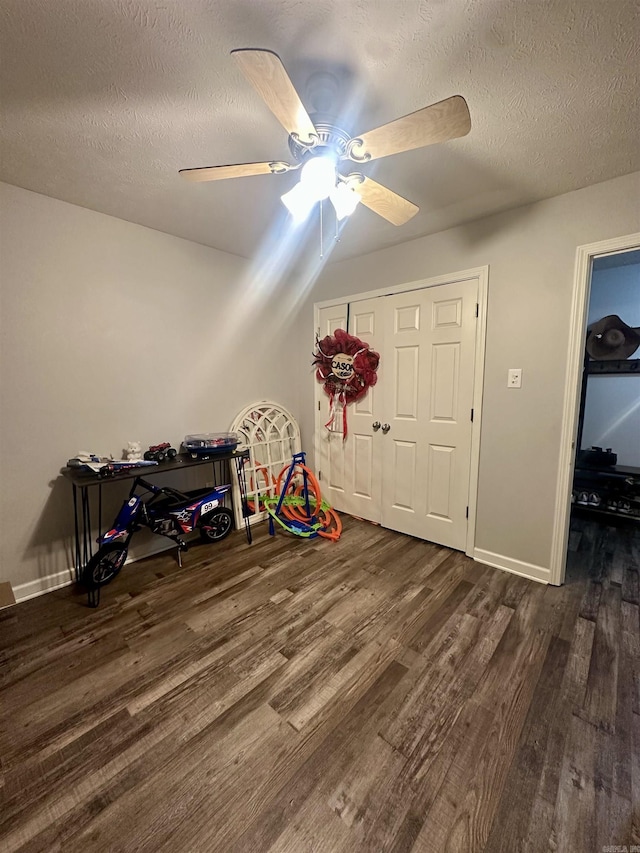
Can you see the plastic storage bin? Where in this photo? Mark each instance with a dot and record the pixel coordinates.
(210, 443)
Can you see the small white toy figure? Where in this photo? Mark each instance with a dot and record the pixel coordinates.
(134, 451)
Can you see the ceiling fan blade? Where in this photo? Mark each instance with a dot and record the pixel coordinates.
(266, 73)
(383, 201)
(440, 122)
(241, 170)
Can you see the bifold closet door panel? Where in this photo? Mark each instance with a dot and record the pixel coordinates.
(328, 446)
(362, 452)
(429, 355)
(351, 470)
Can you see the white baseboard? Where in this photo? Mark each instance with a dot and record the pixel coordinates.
(516, 567)
(31, 589)
(41, 586)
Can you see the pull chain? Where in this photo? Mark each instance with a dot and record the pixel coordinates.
(321, 246)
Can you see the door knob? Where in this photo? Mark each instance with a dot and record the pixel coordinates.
(376, 425)
(386, 428)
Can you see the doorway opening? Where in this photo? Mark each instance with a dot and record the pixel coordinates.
(598, 523)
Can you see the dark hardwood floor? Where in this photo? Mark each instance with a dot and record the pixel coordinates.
(375, 694)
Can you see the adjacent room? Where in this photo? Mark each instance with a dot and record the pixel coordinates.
(319, 426)
(606, 483)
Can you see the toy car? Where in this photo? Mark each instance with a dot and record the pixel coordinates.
(160, 452)
(207, 445)
(115, 466)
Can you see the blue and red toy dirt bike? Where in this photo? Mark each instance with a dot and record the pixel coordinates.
(168, 512)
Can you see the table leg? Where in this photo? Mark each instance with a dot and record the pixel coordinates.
(76, 528)
(242, 486)
(86, 526)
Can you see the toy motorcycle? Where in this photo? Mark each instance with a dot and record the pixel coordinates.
(168, 512)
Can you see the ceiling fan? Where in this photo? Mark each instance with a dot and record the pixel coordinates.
(324, 152)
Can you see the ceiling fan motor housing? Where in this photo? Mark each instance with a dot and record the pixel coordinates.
(331, 138)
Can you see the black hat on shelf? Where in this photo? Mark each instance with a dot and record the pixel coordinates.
(610, 338)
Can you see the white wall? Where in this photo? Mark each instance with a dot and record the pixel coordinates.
(531, 253)
(113, 332)
(612, 407)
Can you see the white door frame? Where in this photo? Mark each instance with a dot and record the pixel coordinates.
(571, 410)
(481, 274)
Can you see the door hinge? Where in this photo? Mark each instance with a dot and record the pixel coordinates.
(467, 513)
(318, 405)
(477, 309)
(319, 475)
(471, 415)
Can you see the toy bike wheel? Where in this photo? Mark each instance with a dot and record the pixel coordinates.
(215, 525)
(104, 566)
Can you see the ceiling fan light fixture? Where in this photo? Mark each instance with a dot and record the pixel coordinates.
(344, 200)
(298, 202)
(318, 177)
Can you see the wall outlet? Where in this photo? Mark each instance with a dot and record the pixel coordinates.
(514, 377)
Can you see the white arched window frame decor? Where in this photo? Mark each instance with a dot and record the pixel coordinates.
(272, 436)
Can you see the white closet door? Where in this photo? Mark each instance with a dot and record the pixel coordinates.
(329, 446)
(363, 461)
(332, 318)
(351, 470)
(427, 379)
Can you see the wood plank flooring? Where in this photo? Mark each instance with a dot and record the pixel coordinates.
(375, 694)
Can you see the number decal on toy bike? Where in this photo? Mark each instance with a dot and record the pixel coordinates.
(208, 506)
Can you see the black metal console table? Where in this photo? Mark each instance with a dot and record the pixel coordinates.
(222, 463)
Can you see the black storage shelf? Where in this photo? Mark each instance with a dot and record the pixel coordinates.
(608, 368)
(604, 514)
(610, 483)
(611, 474)
(617, 482)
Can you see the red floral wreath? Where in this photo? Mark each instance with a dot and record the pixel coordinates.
(345, 380)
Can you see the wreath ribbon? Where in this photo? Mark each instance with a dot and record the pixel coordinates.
(333, 411)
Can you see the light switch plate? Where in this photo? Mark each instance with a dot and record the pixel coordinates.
(514, 377)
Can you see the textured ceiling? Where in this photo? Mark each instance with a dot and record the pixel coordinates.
(103, 101)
